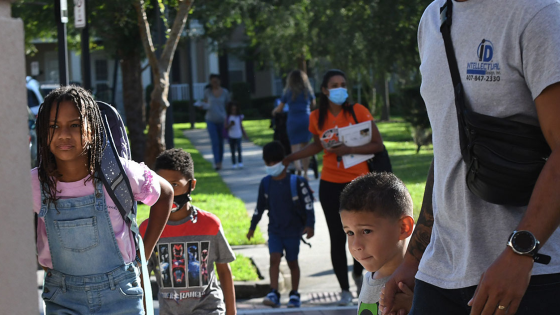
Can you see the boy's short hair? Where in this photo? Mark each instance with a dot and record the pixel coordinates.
(382, 193)
(176, 160)
(273, 152)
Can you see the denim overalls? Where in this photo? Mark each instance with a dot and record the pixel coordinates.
(89, 275)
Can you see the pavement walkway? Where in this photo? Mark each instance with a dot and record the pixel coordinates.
(318, 284)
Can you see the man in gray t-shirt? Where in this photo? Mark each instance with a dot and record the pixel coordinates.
(461, 240)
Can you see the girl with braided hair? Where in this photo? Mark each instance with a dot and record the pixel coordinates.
(85, 247)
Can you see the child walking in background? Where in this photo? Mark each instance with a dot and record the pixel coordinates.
(86, 248)
(234, 128)
(289, 202)
(192, 241)
(376, 213)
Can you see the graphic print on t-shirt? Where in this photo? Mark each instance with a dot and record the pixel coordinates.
(330, 138)
(178, 270)
(368, 309)
(187, 266)
(194, 264)
(204, 251)
(484, 68)
(163, 256)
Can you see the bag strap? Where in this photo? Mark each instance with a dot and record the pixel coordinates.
(293, 188)
(446, 13)
(351, 109)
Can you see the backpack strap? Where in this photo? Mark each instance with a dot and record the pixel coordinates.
(351, 109)
(293, 188)
(114, 177)
(297, 203)
(118, 187)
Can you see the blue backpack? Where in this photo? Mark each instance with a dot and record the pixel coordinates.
(117, 185)
(299, 207)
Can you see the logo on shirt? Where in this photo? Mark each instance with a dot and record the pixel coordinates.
(484, 68)
(183, 265)
(368, 308)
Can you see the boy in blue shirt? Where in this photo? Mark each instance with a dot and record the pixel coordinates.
(289, 202)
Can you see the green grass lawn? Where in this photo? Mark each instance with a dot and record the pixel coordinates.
(213, 195)
(243, 269)
(410, 167)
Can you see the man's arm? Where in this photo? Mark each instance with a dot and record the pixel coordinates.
(423, 231)
(507, 279)
(420, 239)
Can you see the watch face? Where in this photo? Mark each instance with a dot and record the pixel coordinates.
(523, 241)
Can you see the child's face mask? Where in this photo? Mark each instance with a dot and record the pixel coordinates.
(275, 169)
(180, 201)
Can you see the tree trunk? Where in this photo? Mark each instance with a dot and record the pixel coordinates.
(134, 104)
(385, 114)
(302, 64)
(156, 131)
(160, 71)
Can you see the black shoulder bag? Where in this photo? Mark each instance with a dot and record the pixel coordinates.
(380, 162)
(504, 157)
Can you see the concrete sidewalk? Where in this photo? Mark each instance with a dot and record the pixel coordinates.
(318, 284)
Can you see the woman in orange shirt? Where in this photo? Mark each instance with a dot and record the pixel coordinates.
(336, 112)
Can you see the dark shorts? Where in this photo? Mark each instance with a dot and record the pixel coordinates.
(279, 244)
(542, 297)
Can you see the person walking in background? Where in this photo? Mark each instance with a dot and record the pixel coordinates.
(216, 97)
(335, 111)
(289, 201)
(298, 94)
(234, 131)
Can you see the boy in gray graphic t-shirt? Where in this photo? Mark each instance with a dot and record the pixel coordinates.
(191, 242)
(376, 214)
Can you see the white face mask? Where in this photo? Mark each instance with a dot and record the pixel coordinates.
(275, 169)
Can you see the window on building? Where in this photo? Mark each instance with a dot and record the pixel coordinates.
(236, 69)
(101, 70)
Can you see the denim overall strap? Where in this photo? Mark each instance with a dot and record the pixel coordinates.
(80, 234)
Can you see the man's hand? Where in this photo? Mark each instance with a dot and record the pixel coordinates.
(402, 277)
(309, 231)
(503, 284)
(250, 234)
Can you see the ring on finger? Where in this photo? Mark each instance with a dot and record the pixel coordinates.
(501, 307)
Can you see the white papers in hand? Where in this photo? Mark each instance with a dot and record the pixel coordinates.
(354, 136)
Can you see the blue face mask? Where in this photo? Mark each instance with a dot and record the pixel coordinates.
(338, 95)
(275, 169)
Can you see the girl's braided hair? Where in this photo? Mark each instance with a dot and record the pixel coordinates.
(93, 147)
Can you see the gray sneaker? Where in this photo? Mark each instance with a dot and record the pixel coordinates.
(358, 280)
(345, 298)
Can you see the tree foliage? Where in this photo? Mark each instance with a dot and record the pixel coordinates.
(368, 39)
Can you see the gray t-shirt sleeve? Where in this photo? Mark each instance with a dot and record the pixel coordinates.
(225, 253)
(540, 48)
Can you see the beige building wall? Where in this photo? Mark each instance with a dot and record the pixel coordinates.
(18, 284)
